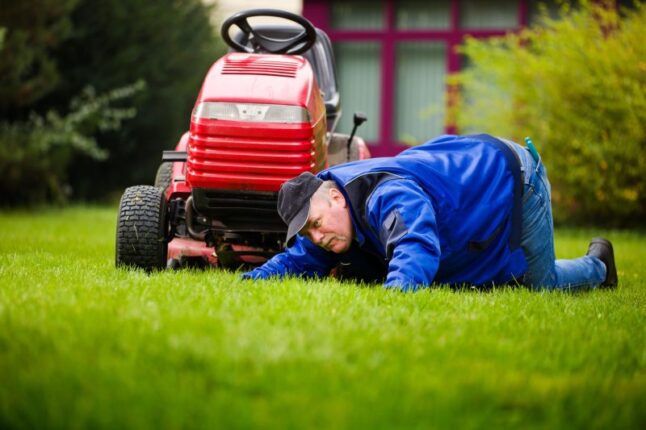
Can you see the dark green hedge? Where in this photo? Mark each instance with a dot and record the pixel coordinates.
(54, 49)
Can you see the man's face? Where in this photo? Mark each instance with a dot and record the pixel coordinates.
(328, 224)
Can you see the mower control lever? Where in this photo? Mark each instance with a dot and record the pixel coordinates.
(358, 119)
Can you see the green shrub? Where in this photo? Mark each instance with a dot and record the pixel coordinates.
(52, 49)
(170, 45)
(29, 70)
(577, 86)
(35, 154)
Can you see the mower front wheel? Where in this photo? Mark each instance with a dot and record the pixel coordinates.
(142, 226)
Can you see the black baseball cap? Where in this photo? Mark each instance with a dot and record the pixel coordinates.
(294, 202)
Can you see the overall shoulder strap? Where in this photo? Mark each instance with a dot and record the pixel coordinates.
(514, 166)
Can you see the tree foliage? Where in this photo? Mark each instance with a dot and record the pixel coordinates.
(36, 148)
(28, 68)
(35, 153)
(112, 58)
(577, 86)
(167, 43)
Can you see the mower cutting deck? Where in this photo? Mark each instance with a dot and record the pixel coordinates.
(261, 118)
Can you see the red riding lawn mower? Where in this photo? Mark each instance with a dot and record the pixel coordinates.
(267, 111)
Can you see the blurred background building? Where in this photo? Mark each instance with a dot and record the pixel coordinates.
(393, 56)
(226, 8)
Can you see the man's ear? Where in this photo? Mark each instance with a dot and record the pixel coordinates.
(337, 196)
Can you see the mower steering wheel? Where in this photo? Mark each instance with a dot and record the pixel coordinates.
(293, 45)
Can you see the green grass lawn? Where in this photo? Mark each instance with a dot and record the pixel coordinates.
(84, 345)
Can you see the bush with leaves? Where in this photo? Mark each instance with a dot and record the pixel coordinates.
(577, 86)
(52, 49)
(29, 69)
(167, 43)
(35, 154)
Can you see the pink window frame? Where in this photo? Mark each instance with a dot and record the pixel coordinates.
(319, 12)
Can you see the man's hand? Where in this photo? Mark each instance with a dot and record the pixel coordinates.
(255, 274)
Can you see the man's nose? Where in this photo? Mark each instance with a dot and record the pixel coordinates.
(317, 236)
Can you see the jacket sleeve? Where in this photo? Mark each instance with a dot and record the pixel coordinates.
(404, 218)
(303, 259)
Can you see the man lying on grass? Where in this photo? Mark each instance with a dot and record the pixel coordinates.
(458, 210)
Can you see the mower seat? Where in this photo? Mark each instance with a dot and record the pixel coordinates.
(320, 57)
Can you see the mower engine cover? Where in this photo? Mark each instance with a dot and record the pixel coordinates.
(258, 121)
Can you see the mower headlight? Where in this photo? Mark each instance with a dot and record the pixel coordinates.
(251, 112)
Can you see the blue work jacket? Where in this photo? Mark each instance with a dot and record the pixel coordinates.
(447, 211)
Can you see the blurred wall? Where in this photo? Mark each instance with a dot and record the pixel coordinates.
(226, 8)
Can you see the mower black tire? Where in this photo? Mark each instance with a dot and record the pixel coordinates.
(142, 227)
(164, 175)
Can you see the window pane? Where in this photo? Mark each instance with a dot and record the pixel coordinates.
(421, 84)
(358, 15)
(433, 14)
(488, 14)
(358, 71)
